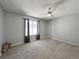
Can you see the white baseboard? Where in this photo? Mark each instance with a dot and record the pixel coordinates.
(16, 44)
(65, 41)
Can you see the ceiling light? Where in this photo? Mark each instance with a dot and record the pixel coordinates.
(49, 15)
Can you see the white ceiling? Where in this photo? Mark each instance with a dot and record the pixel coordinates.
(39, 8)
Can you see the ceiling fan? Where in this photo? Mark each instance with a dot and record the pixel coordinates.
(51, 10)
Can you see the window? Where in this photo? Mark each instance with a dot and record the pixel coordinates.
(32, 27)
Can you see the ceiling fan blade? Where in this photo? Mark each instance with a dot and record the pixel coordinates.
(53, 9)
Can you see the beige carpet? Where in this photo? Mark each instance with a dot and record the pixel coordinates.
(43, 49)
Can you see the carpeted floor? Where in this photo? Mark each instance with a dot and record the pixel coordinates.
(43, 49)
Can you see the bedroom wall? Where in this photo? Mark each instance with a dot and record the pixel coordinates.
(14, 28)
(1, 29)
(43, 29)
(65, 29)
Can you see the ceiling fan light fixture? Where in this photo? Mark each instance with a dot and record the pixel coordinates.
(49, 15)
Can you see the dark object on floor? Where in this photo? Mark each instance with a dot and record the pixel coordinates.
(26, 39)
(38, 37)
(5, 47)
